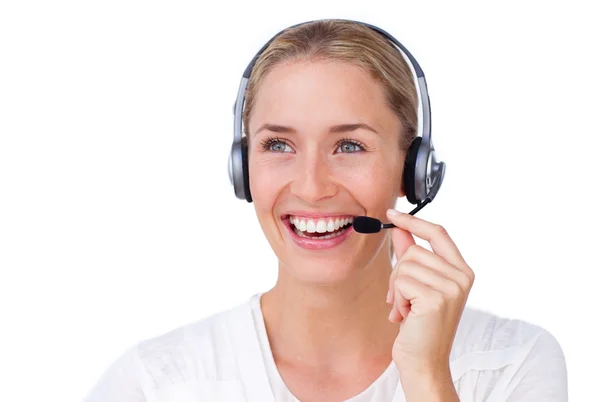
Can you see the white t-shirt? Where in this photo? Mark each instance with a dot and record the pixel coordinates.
(226, 357)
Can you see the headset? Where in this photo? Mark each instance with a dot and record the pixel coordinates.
(423, 173)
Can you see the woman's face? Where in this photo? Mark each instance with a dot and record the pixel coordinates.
(323, 148)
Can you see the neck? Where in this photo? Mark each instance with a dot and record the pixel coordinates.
(327, 326)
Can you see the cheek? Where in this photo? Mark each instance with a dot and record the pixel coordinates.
(371, 181)
(267, 179)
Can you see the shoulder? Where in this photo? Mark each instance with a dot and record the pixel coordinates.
(176, 361)
(202, 351)
(507, 356)
(195, 350)
(480, 331)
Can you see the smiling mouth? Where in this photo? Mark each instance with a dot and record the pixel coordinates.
(322, 228)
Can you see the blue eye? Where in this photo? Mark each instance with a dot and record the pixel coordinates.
(280, 147)
(348, 146)
(276, 145)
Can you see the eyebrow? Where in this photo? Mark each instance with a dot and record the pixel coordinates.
(340, 128)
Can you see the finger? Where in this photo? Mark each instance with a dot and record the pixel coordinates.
(400, 308)
(436, 235)
(432, 278)
(421, 298)
(433, 261)
(402, 240)
(397, 314)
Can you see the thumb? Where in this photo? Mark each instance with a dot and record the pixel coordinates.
(401, 240)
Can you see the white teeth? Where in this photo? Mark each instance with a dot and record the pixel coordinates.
(321, 226)
(301, 225)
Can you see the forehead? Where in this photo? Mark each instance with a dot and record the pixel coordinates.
(312, 94)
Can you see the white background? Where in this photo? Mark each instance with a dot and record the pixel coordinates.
(117, 220)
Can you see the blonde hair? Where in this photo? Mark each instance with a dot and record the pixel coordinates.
(350, 42)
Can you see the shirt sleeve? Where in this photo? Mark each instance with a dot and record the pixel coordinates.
(543, 374)
(120, 382)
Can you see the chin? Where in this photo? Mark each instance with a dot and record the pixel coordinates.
(344, 262)
(322, 249)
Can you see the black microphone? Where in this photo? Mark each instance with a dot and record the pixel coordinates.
(366, 224)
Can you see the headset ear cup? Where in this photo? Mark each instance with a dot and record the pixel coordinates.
(245, 171)
(410, 163)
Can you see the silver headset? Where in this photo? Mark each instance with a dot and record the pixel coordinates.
(423, 174)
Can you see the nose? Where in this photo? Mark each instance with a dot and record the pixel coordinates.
(312, 180)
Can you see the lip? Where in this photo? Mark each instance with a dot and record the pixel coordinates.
(314, 244)
(315, 215)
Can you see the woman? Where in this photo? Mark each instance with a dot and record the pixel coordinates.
(329, 118)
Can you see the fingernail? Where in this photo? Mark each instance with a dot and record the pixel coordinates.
(388, 298)
(393, 212)
(391, 314)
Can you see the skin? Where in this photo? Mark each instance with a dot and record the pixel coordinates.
(331, 329)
